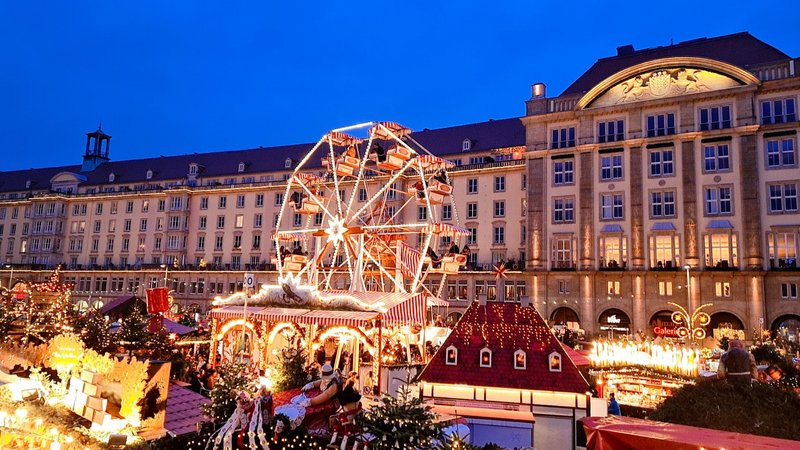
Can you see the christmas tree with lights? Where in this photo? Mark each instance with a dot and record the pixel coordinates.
(133, 334)
(232, 378)
(47, 310)
(402, 422)
(93, 328)
(291, 368)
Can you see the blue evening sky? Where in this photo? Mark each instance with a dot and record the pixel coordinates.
(174, 77)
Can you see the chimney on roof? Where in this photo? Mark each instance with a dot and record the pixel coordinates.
(538, 90)
(525, 301)
(482, 299)
(625, 50)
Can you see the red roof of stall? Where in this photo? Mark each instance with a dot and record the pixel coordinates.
(504, 328)
(615, 432)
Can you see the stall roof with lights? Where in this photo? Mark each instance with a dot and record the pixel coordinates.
(504, 328)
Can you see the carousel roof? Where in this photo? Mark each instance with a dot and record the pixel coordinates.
(504, 328)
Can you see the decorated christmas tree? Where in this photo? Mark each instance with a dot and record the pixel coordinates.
(291, 368)
(48, 309)
(232, 378)
(402, 422)
(93, 328)
(7, 316)
(133, 334)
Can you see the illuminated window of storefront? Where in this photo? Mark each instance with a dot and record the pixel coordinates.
(451, 356)
(554, 362)
(520, 360)
(486, 358)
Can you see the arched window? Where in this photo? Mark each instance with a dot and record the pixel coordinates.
(520, 360)
(486, 358)
(554, 362)
(111, 177)
(193, 169)
(287, 164)
(149, 174)
(451, 356)
(241, 167)
(466, 145)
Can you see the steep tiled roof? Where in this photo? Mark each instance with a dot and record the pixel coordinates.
(740, 49)
(444, 141)
(183, 410)
(504, 328)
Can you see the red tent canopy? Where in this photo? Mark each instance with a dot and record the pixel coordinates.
(622, 433)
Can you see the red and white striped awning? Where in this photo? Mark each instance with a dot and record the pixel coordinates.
(336, 317)
(436, 301)
(379, 130)
(281, 314)
(399, 308)
(233, 312)
(430, 162)
(340, 139)
(445, 228)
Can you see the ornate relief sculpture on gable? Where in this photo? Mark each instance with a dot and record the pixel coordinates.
(663, 83)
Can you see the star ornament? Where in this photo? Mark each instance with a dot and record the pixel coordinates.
(336, 230)
(499, 271)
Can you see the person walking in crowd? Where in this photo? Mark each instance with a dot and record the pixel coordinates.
(737, 365)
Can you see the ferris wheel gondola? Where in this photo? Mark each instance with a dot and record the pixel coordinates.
(356, 232)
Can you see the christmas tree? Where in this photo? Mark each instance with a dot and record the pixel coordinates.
(93, 328)
(233, 378)
(7, 316)
(291, 368)
(133, 334)
(402, 422)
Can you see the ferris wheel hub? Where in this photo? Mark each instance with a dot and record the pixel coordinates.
(336, 230)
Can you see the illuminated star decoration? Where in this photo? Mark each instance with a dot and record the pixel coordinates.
(336, 230)
(499, 270)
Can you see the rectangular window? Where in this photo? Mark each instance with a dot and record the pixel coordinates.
(218, 243)
(202, 224)
(99, 209)
(662, 163)
(611, 167)
(499, 235)
(789, 290)
(662, 204)
(201, 242)
(259, 200)
(240, 201)
(500, 208)
(721, 250)
(239, 220)
(563, 171)
(298, 219)
(715, 118)
(472, 210)
(256, 241)
(661, 125)
(258, 220)
(422, 213)
(500, 183)
(613, 287)
(129, 207)
(562, 137)
(783, 198)
(237, 241)
(162, 205)
(665, 288)
(718, 201)
(782, 249)
(362, 195)
(611, 207)
(203, 202)
(722, 289)
(279, 199)
(472, 237)
(447, 212)
(472, 186)
(611, 131)
(778, 111)
(220, 222)
(563, 287)
(781, 152)
(564, 210)
(223, 201)
(126, 226)
(716, 158)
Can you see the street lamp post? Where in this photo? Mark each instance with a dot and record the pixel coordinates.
(166, 273)
(688, 287)
(11, 275)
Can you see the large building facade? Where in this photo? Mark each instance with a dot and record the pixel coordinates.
(665, 175)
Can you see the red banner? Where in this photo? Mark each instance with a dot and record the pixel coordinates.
(157, 300)
(155, 324)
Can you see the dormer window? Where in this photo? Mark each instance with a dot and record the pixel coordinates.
(451, 356)
(287, 164)
(111, 177)
(554, 362)
(149, 174)
(28, 184)
(520, 360)
(466, 145)
(241, 167)
(193, 169)
(486, 358)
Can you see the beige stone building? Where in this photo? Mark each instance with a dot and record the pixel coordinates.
(597, 199)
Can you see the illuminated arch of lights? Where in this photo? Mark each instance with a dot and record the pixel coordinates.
(234, 323)
(280, 326)
(344, 331)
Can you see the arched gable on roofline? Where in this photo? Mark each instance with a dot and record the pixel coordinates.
(665, 77)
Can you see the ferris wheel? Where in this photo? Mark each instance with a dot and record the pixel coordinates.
(370, 219)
